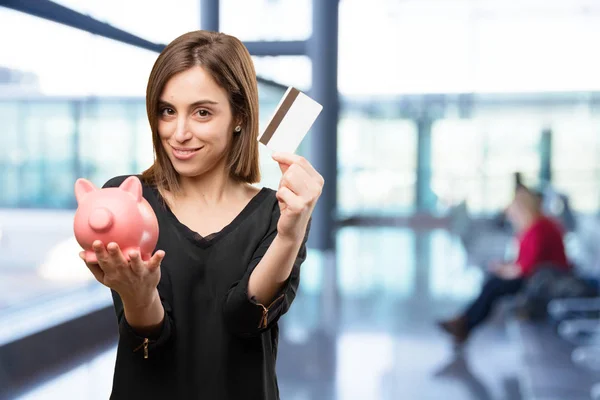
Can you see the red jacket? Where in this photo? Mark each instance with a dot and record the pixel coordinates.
(541, 243)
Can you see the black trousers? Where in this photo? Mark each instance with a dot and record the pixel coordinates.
(493, 290)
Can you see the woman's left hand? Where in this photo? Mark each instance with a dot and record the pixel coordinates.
(508, 271)
(299, 189)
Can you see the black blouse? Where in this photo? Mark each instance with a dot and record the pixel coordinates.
(215, 342)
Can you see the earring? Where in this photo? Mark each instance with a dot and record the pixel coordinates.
(238, 129)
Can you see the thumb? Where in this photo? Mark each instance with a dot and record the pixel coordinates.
(155, 260)
(282, 166)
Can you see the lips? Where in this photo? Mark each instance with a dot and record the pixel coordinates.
(185, 153)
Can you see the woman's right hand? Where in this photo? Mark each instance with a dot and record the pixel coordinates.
(135, 281)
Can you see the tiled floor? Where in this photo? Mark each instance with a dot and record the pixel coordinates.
(376, 339)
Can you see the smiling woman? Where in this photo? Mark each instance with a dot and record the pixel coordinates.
(195, 101)
(200, 318)
(188, 127)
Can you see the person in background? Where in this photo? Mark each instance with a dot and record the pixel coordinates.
(540, 243)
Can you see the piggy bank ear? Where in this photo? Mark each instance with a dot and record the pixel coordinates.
(133, 186)
(82, 188)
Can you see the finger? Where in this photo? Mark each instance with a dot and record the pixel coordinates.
(292, 201)
(115, 255)
(96, 271)
(297, 180)
(101, 253)
(301, 183)
(136, 262)
(156, 260)
(93, 267)
(290, 159)
(284, 164)
(283, 167)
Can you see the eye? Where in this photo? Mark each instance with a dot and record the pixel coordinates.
(166, 111)
(202, 113)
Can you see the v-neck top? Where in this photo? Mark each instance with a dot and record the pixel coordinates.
(215, 341)
(208, 240)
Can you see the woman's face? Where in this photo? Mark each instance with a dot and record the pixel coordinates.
(515, 214)
(195, 122)
(522, 210)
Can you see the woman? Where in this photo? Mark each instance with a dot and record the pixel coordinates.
(199, 319)
(540, 243)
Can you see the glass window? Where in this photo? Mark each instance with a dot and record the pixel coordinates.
(512, 144)
(377, 165)
(82, 65)
(576, 160)
(286, 70)
(489, 46)
(158, 22)
(10, 154)
(113, 136)
(450, 277)
(49, 142)
(371, 62)
(376, 261)
(59, 60)
(47, 154)
(457, 151)
(271, 19)
(476, 159)
(72, 105)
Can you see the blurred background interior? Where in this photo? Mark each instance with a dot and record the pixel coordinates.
(430, 107)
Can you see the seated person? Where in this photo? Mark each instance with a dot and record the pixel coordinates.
(540, 242)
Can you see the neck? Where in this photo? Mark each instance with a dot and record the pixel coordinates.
(209, 188)
(530, 219)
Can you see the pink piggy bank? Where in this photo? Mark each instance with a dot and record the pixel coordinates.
(119, 215)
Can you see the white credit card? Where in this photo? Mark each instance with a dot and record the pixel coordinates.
(292, 120)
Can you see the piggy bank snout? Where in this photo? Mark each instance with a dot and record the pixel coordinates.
(101, 219)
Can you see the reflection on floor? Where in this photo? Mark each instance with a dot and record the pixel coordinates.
(376, 339)
(18, 288)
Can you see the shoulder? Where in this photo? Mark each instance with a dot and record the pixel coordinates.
(554, 227)
(264, 207)
(547, 224)
(545, 228)
(268, 197)
(268, 193)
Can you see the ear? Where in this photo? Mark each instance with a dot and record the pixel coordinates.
(82, 188)
(133, 186)
(239, 122)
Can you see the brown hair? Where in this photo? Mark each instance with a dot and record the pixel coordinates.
(229, 63)
(528, 200)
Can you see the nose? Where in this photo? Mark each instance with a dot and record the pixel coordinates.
(101, 219)
(182, 132)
